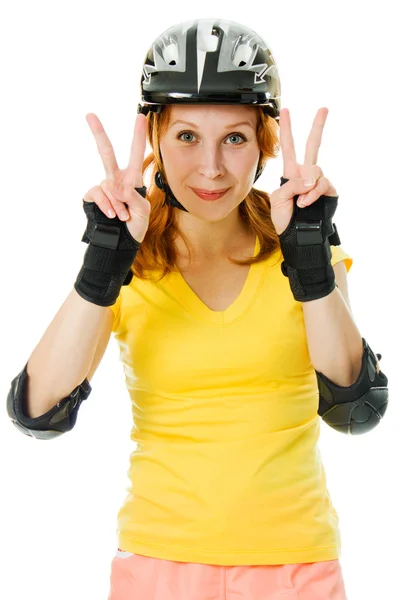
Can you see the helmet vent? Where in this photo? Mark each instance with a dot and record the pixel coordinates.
(242, 54)
(170, 52)
(207, 41)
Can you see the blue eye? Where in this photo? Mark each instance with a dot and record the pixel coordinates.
(183, 133)
(238, 135)
(231, 135)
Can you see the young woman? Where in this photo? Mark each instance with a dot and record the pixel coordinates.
(227, 494)
(223, 320)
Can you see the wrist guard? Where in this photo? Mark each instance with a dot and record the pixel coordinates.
(360, 407)
(108, 258)
(305, 246)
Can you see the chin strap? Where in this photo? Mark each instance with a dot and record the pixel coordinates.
(169, 196)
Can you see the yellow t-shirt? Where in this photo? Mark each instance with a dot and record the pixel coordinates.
(227, 469)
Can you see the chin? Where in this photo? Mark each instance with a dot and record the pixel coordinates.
(213, 214)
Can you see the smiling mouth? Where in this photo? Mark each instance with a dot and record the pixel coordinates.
(210, 196)
(210, 191)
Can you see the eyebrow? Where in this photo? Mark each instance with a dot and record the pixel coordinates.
(226, 127)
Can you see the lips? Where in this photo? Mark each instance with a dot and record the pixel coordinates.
(221, 191)
(209, 196)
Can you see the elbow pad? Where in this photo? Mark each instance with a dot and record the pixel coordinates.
(58, 420)
(360, 407)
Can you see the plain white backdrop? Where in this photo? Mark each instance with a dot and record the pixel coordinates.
(62, 60)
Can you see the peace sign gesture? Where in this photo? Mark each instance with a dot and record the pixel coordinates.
(118, 189)
(282, 199)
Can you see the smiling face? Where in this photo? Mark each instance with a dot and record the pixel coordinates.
(215, 152)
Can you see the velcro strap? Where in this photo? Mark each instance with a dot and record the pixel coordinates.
(106, 236)
(108, 261)
(306, 255)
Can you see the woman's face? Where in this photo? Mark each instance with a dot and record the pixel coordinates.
(211, 154)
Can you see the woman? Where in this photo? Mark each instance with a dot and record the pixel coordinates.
(225, 307)
(227, 496)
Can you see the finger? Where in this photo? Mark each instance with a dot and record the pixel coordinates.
(138, 149)
(315, 137)
(104, 145)
(321, 189)
(97, 195)
(292, 188)
(118, 206)
(287, 142)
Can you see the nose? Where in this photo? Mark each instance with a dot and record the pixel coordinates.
(210, 161)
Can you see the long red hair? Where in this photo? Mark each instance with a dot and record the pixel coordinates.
(157, 251)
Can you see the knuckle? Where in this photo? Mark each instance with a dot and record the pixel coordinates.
(91, 194)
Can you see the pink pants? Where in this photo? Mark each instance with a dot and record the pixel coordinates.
(137, 577)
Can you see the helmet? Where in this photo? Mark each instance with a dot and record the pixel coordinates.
(209, 61)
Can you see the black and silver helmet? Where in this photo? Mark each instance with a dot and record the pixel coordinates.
(210, 61)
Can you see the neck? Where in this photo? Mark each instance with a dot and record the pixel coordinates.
(211, 241)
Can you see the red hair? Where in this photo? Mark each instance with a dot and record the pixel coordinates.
(157, 251)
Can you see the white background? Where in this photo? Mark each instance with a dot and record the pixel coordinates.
(62, 60)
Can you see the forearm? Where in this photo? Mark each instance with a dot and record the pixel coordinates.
(62, 358)
(334, 342)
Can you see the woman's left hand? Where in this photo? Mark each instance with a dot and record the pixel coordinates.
(282, 198)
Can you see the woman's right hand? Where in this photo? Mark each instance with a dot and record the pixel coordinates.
(118, 189)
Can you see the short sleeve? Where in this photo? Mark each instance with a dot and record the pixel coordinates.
(339, 254)
(116, 309)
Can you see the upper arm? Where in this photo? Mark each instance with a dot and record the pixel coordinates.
(341, 280)
(102, 343)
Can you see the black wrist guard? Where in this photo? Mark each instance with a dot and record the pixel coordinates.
(305, 246)
(108, 258)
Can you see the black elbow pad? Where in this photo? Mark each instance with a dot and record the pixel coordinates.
(58, 420)
(356, 409)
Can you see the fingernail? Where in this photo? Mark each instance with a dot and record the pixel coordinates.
(111, 213)
(309, 182)
(124, 214)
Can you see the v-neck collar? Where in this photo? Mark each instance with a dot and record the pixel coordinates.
(184, 294)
